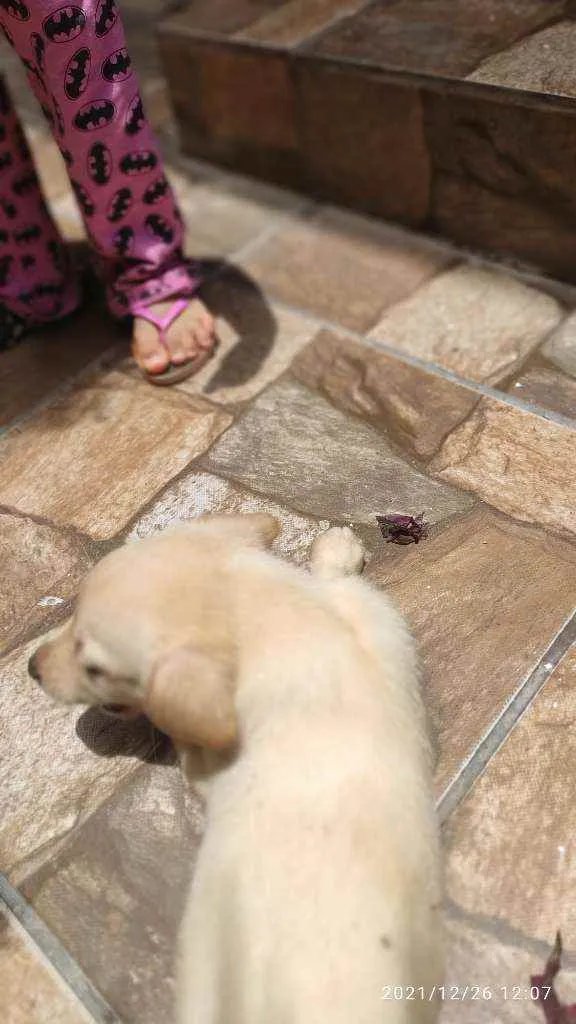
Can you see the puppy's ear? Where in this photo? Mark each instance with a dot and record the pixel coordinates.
(190, 697)
(256, 529)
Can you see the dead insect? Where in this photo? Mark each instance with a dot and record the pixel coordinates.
(402, 529)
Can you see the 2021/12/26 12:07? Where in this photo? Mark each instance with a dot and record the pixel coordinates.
(461, 993)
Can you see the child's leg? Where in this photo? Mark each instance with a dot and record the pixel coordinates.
(80, 70)
(36, 283)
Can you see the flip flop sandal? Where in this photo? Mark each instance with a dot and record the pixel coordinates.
(176, 372)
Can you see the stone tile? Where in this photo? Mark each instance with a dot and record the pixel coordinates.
(257, 342)
(438, 37)
(41, 568)
(49, 357)
(544, 62)
(49, 768)
(479, 957)
(98, 453)
(363, 140)
(292, 22)
(479, 323)
(200, 493)
(223, 113)
(546, 387)
(344, 268)
(485, 597)
(223, 216)
(503, 177)
(31, 992)
(560, 349)
(296, 448)
(519, 821)
(416, 407)
(516, 461)
(107, 901)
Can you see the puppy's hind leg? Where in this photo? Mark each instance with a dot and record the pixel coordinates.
(336, 553)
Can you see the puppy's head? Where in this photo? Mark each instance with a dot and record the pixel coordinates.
(152, 631)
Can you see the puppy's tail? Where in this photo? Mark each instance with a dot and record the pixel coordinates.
(337, 552)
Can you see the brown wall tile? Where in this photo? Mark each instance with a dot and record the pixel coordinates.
(295, 20)
(363, 140)
(503, 178)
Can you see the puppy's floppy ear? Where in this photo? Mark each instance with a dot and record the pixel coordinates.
(190, 697)
(256, 529)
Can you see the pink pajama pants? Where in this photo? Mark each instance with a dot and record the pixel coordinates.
(80, 71)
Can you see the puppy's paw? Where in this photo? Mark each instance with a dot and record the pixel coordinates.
(337, 552)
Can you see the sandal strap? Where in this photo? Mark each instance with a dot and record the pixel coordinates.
(162, 323)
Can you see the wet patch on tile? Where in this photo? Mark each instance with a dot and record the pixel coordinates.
(32, 993)
(519, 822)
(114, 894)
(516, 461)
(544, 386)
(485, 598)
(92, 458)
(344, 268)
(411, 405)
(476, 322)
(296, 448)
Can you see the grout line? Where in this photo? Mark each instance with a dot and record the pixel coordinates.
(54, 952)
(434, 369)
(468, 774)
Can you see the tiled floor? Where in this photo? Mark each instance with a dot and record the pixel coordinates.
(362, 369)
(450, 115)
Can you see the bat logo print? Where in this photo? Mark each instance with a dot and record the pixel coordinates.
(135, 120)
(16, 9)
(84, 201)
(77, 73)
(2, 133)
(42, 291)
(139, 162)
(123, 241)
(57, 256)
(23, 185)
(5, 267)
(27, 261)
(28, 234)
(32, 69)
(117, 67)
(39, 48)
(8, 208)
(64, 25)
(94, 115)
(106, 16)
(119, 205)
(5, 161)
(4, 237)
(155, 192)
(158, 227)
(100, 163)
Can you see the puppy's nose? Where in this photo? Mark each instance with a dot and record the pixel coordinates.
(33, 669)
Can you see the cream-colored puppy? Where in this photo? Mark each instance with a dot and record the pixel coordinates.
(316, 893)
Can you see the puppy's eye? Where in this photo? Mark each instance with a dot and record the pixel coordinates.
(92, 671)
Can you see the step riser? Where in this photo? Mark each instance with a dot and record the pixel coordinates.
(486, 167)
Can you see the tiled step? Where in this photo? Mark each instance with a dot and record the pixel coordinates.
(452, 116)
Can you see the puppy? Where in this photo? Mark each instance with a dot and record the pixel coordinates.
(316, 895)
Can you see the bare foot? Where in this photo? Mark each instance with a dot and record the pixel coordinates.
(192, 333)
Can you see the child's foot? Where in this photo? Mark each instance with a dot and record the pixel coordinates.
(170, 334)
